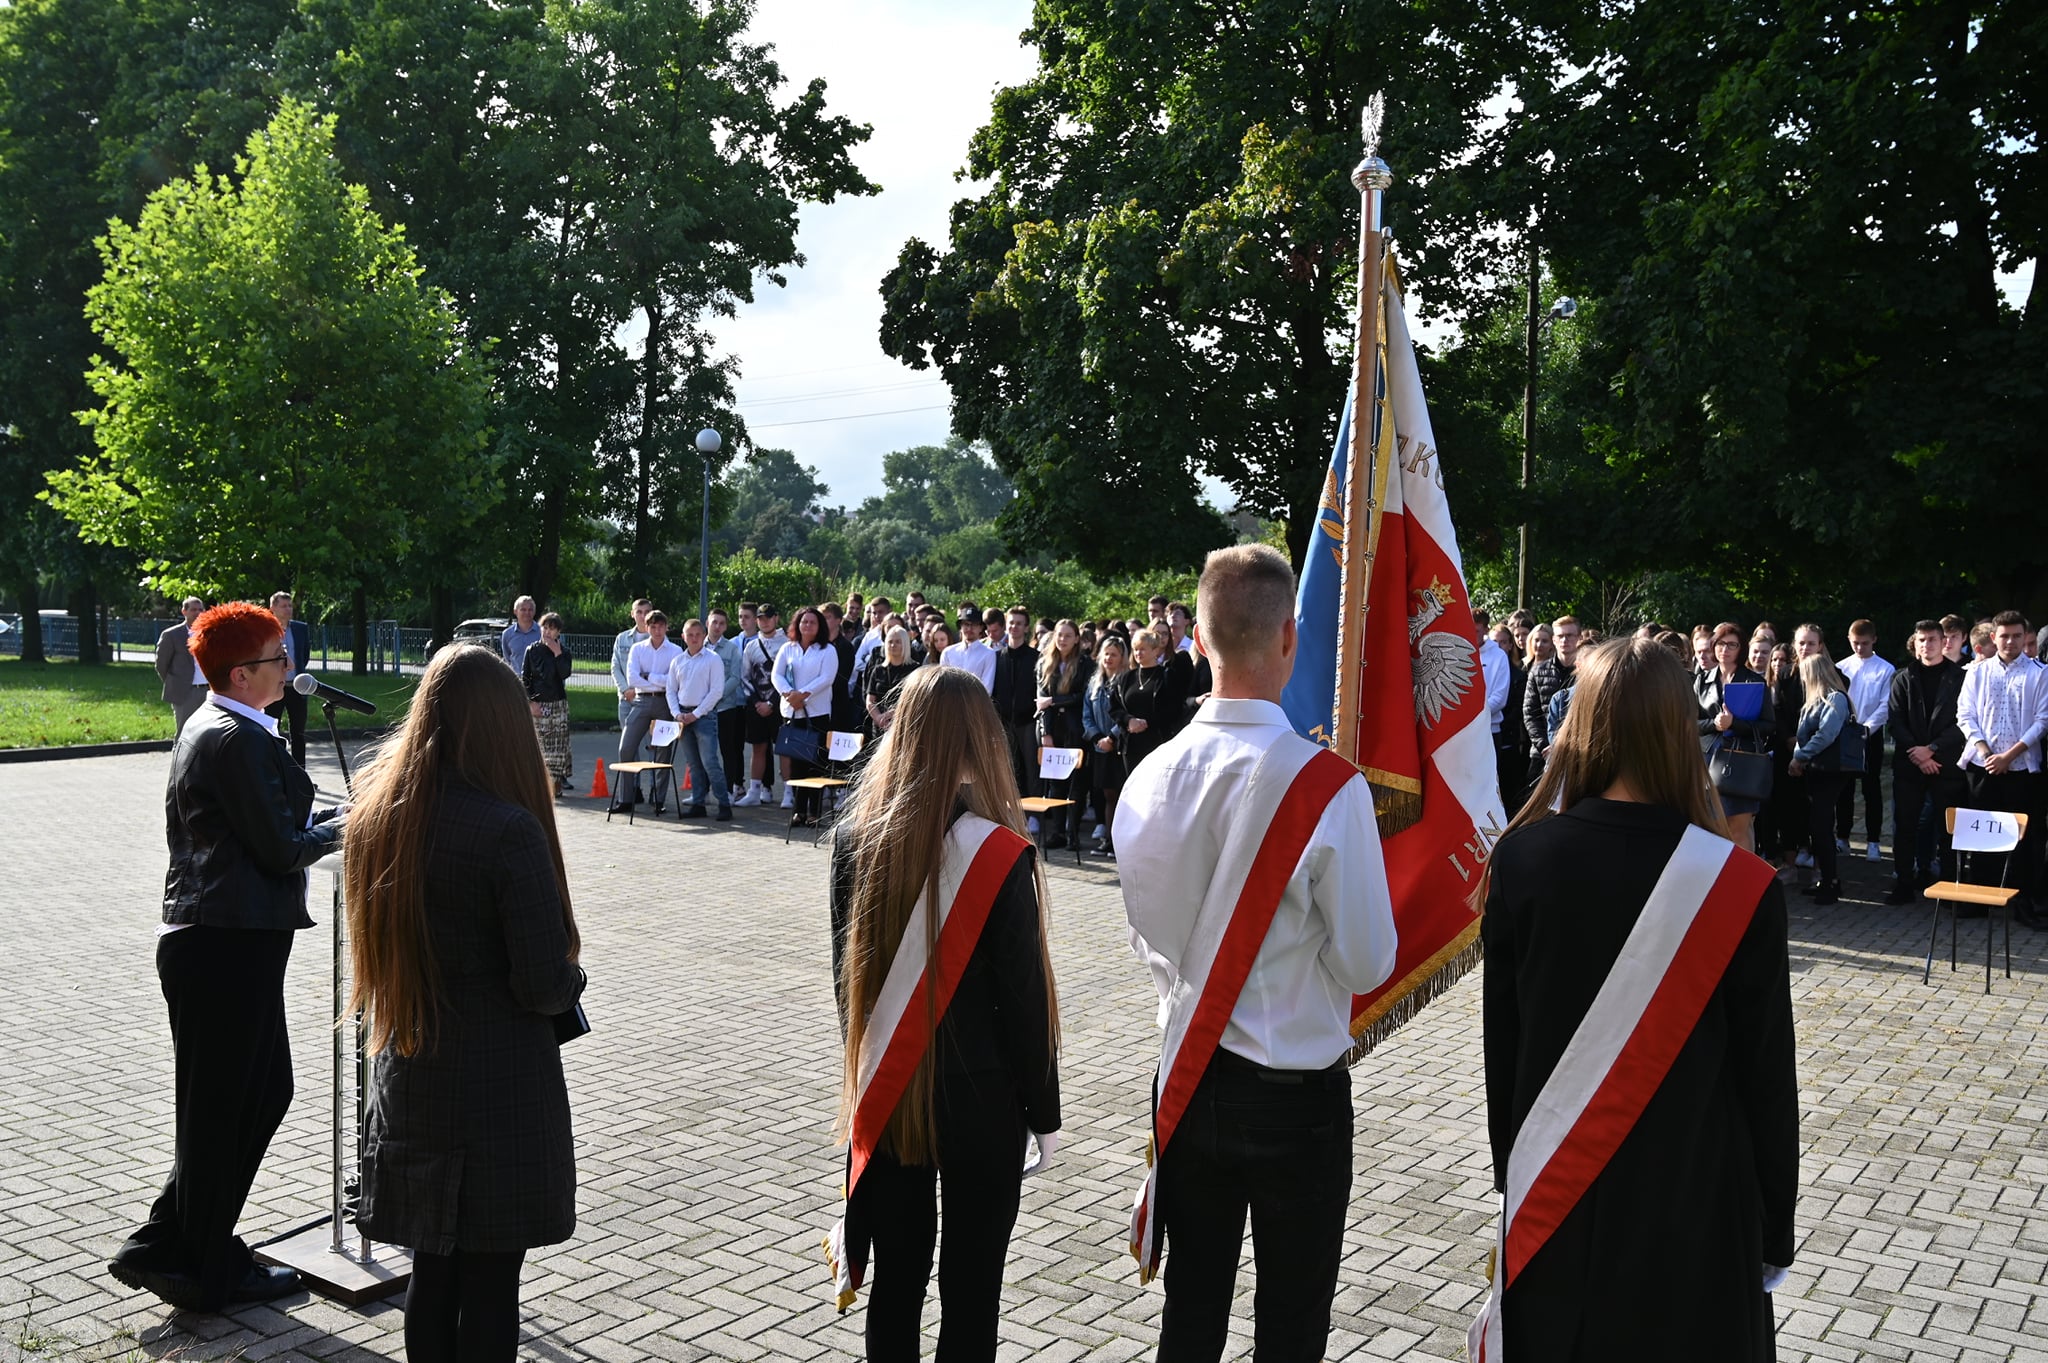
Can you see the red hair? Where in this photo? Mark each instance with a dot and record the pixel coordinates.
(230, 634)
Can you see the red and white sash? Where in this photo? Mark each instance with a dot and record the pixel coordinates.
(1644, 1013)
(1283, 802)
(977, 858)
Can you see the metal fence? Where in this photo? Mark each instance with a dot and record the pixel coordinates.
(392, 647)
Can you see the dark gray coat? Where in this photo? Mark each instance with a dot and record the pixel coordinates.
(467, 1143)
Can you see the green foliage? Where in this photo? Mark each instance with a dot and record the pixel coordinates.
(746, 576)
(959, 557)
(285, 402)
(1060, 593)
(1126, 598)
(775, 504)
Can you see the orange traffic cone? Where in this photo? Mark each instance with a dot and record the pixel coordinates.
(684, 788)
(600, 789)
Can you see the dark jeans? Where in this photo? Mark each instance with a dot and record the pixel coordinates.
(699, 746)
(225, 991)
(982, 1149)
(1789, 803)
(1021, 738)
(1276, 1143)
(1511, 770)
(1912, 791)
(1823, 789)
(2011, 792)
(1871, 782)
(463, 1307)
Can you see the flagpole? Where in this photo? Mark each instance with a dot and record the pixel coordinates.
(1372, 176)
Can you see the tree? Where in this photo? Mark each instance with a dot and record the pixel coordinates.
(286, 402)
(1158, 282)
(775, 503)
(941, 488)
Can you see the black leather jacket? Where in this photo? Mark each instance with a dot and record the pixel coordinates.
(235, 816)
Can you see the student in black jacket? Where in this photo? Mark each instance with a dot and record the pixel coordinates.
(1063, 675)
(1927, 750)
(1675, 1236)
(1150, 700)
(1015, 692)
(989, 1079)
(242, 832)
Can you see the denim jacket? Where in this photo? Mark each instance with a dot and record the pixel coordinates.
(1096, 721)
(1820, 729)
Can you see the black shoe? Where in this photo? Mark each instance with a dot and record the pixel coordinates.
(1828, 893)
(660, 808)
(1811, 890)
(177, 1289)
(1056, 842)
(621, 807)
(725, 814)
(265, 1283)
(2027, 916)
(690, 812)
(1901, 892)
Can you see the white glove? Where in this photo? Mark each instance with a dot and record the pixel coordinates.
(1046, 1143)
(1774, 1277)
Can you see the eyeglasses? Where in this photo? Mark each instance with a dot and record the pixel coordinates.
(258, 662)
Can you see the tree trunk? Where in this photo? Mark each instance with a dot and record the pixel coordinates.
(545, 562)
(643, 492)
(359, 629)
(85, 616)
(440, 616)
(28, 591)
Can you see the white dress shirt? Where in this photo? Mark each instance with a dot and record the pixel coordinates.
(809, 670)
(2002, 704)
(972, 658)
(1493, 665)
(1333, 934)
(696, 681)
(1870, 688)
(647, 666)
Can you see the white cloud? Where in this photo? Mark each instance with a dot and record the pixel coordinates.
(922, 72)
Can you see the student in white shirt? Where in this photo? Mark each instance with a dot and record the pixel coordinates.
(647, 664)
(696, 684)
(804, 672)
(968, 655)
(1870, 692)
(2003, 713)
(1269, 1129)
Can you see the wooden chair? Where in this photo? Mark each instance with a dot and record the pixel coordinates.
(2005, 832)
(634, 769)
(1039, 807)
(821, 784)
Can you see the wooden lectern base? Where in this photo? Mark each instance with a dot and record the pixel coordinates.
(341, 1275)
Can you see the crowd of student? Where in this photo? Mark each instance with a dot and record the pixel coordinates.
(762, 701)
(1964, 713)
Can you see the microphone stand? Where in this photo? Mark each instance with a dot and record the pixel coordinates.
(334, 731)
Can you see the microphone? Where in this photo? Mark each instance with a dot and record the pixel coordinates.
(306, 684)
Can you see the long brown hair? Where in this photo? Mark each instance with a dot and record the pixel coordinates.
(944, 746)
(468, 722)
(1633, 717)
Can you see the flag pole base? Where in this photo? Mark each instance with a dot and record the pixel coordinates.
(340, 1274)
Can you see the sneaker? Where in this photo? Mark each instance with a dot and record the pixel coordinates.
(1804, 860)
(788, 798)
(1874, 854)
(753, 797)
(1841, 844)
(1098, 835)
(1901, 892)
(725, 814)
(690, 812)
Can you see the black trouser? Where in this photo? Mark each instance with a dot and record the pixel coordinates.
(1511, 770)
(2009, 792)
(1871, 782)
(982, 1149)
(1911, 791)
(292, 708)
(225, 991)
(1823, 789)
(1788, 800)
(463, 1307)
(809, 804)
(732, 746)
(1020, 736)
(1276, 1143)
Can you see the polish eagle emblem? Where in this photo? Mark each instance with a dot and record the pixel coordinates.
(1444, 662)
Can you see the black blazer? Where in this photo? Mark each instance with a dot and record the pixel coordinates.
(468, 1142)
(546, 673)
(1923, 712)
(1015, 687)
(235, 816)
(298, 641)
(993, 1040)
(1699, 1196)
(1062, 723)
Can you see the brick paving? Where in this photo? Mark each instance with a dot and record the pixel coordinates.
(704, 1101)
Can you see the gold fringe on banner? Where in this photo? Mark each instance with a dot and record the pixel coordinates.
(1424, 985)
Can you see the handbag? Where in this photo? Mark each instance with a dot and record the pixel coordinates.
(799, 744)
(572, 1021)
(1740, 775)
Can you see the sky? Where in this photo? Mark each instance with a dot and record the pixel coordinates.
(814, 379)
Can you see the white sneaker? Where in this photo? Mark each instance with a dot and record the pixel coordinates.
(1805, 858)
(750, 799)
(788, 798)
(1874, 854)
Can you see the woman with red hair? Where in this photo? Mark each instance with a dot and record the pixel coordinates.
(242, 832)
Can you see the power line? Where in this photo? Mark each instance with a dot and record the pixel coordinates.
(857, 416)
(844, 393)
(829, 369)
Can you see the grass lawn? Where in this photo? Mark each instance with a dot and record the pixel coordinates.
(52, 704)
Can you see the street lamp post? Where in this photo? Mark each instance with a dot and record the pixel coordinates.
(709, 442)
(1539, 326)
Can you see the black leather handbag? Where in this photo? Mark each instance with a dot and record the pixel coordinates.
(572, 1021)
(1740, 775)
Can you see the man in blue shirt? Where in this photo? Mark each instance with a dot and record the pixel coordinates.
(523, 633)
(622, 648)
